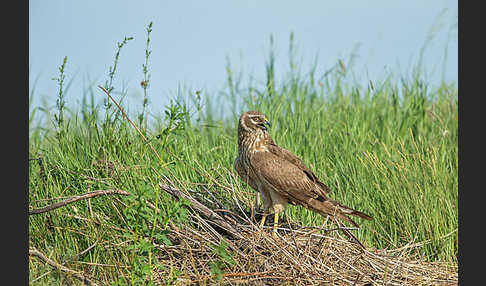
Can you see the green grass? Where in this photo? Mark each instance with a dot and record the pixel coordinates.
(388, 149)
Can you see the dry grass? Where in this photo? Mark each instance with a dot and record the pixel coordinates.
(299, 256)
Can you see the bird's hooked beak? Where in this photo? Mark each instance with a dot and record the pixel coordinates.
(265, 124)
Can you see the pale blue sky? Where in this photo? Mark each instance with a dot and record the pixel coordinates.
(191, 41)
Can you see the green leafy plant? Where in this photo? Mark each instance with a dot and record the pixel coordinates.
(60, 102)
(225, 259)
(111, 75)
(145, 83)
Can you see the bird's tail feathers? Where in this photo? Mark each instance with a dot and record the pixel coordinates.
(338, 212)
(332, 207)
(350, 211)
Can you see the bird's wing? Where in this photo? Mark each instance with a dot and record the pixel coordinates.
(293, 183)
(290, 157)
(284, 177)
(243, 173)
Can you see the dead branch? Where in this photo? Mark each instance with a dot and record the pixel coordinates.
(129, 121)
(203, 210)
(77, 198)
(78, 275)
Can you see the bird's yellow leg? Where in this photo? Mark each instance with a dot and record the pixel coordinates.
(275, 225)
(262, 222)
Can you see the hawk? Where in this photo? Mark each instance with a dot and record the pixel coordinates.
(280, 176)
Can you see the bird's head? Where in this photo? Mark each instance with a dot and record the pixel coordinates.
(253, 122)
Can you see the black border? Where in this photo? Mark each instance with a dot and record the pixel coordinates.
(15, 140)
(471, 126)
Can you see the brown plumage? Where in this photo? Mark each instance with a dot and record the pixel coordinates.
(280, 176)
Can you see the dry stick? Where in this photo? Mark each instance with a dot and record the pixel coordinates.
(136, 128)
(234, 274)
(129, 121)
(141, 134)
(193, 263)
(40, 277)
(210, 215)
(303, 232)
(311, 258)
(284, 251)
(40, 255)
(237, 216)
(233, 195)
(84, 251)
(202, 209)
(214, 198)
(102, 264)
(195, 233)
(347, 264)
(347, 232)
(77, 198)
(400, 256)
(208, 227)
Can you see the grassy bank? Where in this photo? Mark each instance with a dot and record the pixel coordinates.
(388, 149)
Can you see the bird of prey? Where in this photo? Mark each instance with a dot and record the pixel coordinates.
(280, 176)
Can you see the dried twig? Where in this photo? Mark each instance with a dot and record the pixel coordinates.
(129, 121)
(202, 209)
(77, 198)
(78, 275)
